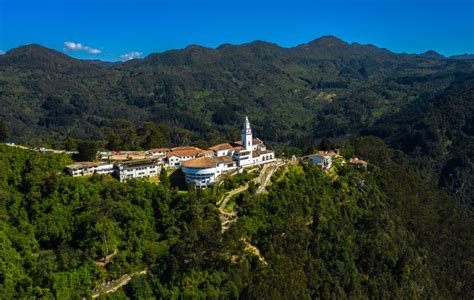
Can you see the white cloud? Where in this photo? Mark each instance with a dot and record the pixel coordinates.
(2, 52)
(71, 46)
(131, 55)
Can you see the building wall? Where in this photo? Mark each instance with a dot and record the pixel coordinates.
(221, 152)
(202, 177)
(174, 161)
(138, 172)
(90, 170)
(324, 161)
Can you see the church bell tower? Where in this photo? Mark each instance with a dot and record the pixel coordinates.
(246, 135)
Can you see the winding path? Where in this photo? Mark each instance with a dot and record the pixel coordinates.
(114, 285)
(262, 179)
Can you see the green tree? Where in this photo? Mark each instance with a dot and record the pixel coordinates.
(4, 132)
(164, 179)
(325, 144)
(70, 144)
(87, 151)
(114, 142)
(106, 228)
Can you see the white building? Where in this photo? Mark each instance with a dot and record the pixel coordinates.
(158, 151)
(179, 154)
(250, 151)
(358, 163)
(89, 168)
(203, 171)
(247, 152)
(323, 158)
(138, 169)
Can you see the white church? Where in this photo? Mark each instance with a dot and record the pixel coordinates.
(247, 152)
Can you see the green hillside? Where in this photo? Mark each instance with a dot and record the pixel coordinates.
(293, 97)
(379, 234)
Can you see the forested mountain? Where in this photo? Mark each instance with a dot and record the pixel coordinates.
(352, 234)
(293, 96)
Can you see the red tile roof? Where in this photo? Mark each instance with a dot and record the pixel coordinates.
(325, 153)
(357, 161)
(261, 152)
(159, 150)
(182, 153)
(224, 146)
(200, 162)
(184, 148)
(224, 159)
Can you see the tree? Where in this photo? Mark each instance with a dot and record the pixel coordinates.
(114, 142)
(70, 144)
(87, 151)
(325, 144)
(106, 228)
(164, 179)
(4, 132)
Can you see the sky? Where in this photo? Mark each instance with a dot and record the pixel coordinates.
(120, 30)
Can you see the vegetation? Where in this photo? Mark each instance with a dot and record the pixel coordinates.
(87, 151)
(395, 231)
(377, 234)
(3, 132)
(237, 180)
(293, 96)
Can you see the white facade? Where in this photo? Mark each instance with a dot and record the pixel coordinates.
(201, 177)
(247, 152)
(179, 154)
(137, 169)
(243, 158)
(88, 168)
(262, 157)
(323, 158)
(174, 160)
(324, 161)
(158, 151)
(246, 135)
(223, 152)
(204, 171)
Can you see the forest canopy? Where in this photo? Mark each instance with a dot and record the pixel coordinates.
(378, 234)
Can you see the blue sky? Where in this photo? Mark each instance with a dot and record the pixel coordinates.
(106, 29)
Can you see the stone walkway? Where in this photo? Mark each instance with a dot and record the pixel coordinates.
(262, 179)
(114, 285)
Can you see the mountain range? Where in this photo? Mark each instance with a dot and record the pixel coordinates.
(420, 104)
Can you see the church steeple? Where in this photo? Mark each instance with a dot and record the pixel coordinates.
(247, 135)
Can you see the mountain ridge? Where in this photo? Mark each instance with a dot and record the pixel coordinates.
(320, 42)
(294, 97)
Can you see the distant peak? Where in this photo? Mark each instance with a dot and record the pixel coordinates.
(34, 50)
(256, 43)
(30, 47)
(326, 41)
(197, 47)
(39, 57)
(260, 43)
(432, 54)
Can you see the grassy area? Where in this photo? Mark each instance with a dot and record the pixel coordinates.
(231, 205)
(154, 179)
(281, 174)
(237, 180)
